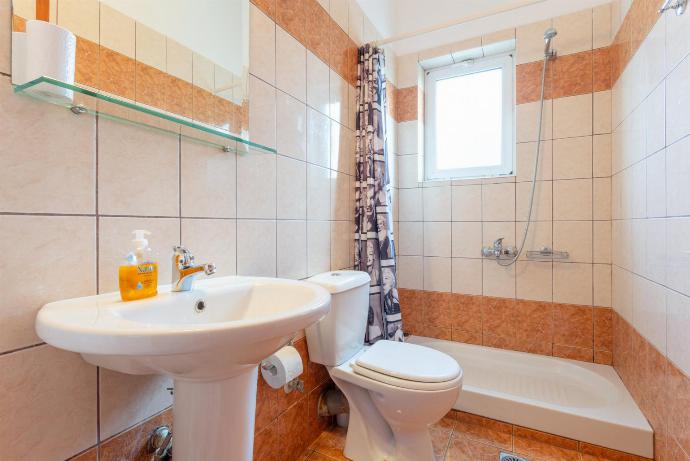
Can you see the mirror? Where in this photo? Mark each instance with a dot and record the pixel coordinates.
(189, 58)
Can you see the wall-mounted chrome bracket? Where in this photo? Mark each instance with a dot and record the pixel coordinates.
(679, 5)
(78, 109)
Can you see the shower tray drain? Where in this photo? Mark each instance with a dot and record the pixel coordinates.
(509, 457)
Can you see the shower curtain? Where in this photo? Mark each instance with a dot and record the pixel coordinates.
(374, 247)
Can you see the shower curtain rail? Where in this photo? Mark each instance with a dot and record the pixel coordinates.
(457, 22)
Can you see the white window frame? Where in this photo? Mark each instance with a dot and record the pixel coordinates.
(506, 168)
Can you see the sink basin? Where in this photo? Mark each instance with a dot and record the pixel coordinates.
(210, 340)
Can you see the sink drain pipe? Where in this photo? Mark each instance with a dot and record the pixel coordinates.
(332, 402)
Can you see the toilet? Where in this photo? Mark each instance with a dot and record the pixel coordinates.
(395, 390)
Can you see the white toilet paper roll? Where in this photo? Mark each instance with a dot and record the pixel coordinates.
(282, 367)
(51, 51)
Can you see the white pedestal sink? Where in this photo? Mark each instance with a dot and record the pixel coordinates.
(210, 340)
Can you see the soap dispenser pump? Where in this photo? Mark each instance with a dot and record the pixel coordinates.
(139, 277)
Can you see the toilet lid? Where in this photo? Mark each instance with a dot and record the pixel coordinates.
(409, 362)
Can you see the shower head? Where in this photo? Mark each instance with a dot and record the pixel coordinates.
(549, 34)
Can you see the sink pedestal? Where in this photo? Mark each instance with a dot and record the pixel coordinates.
(214, 420)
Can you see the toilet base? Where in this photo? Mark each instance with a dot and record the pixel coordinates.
(371, 438)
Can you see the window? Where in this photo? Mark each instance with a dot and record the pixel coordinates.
(469, 120)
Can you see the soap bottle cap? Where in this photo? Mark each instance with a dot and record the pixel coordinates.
(140, 242)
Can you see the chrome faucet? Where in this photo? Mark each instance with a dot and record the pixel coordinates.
(184, 271)
(498, 251)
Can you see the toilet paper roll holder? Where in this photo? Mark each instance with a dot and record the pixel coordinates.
(294, 385)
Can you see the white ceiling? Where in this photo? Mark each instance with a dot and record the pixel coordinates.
(395, 17)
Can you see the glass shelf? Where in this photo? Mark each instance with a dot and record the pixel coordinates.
(85, 100)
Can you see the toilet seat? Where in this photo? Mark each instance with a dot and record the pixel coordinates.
(408, 366)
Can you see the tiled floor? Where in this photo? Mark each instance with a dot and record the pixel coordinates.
(465, 437)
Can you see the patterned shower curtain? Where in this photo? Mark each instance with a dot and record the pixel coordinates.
(374, 247)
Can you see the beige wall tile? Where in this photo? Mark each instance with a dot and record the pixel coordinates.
(338, 98)
(256, 248)
(410, 205)
(82, 17)
(342, 148)
(262, 112)
(539, 235)
(203, 72)
(526, 121)
(601, 147)
(407, 70)
(291, 188)
(292, 249)
(115, 241)
(117, 31)
(291, 65)
(572, 116)
(47, 156)
(602, 285)
(572, 283)
(678, 324)
(437, 274)
(318, 247)
(467, 203)
(602, 112)
(212, 241)
(37, 252)
(601, 26)
(411, 272)
(572, 199)
(602, 242)
(530, 41)
(341, 245)
(437, 239)
(320, 132)
(339, 13)
(179, 61)
(150, 47)
(291, 126)
(51, 397)
(256, 185)
(126, 400)
(467, 239)
(342, 187)
(208, 178)
(410, 239)
(574, 32)
(602, 199)
(526, 153)
(572, 158)
(356, 22)
(437, 203)
(262, 45)
(318, 193)
(575, 237)
(467, 276)
(318, 84)
(498, 281)
(498, 202)
(542, 209)
(534, 280)
(138, 171)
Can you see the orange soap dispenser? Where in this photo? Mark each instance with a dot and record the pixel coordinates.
(139, 277)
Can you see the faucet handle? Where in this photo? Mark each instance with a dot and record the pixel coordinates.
(498, 243)
(210, 269)
(182, 256)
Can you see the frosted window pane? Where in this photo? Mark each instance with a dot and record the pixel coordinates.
(469, 122)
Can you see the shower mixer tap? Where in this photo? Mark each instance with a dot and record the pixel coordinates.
(498, 251)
